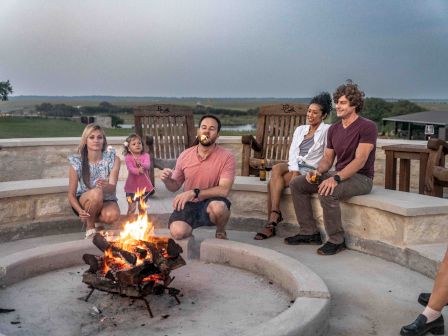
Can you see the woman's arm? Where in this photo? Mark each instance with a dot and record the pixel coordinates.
(113, 177)
(72, 187)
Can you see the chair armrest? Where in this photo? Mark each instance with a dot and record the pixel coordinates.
(149, 140)
(250, 140)
(436, 143)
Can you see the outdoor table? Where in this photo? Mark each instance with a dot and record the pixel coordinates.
(405, 153)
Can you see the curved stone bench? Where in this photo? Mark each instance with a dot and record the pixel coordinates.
(308, 315)
(386, 223)
(30, 206)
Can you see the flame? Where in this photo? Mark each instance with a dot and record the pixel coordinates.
(130, 237)
(141, 229)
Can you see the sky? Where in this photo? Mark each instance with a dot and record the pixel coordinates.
(231, 48)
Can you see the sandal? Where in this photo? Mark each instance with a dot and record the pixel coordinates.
(90, 233)
(270, 229)
(221, 235)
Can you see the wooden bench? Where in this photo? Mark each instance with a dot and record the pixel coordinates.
(167, 131)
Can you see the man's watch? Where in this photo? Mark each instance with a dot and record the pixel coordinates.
(337, 178)
(196, 192)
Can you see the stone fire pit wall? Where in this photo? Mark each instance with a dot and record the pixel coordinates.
(308, 315)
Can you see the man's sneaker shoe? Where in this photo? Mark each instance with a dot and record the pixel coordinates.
(330, 248)
(423, 299)
(298, 239)
(419, 327)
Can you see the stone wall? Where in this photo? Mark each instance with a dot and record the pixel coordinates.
(24, 159)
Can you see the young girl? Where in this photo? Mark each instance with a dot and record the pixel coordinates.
(138, 164)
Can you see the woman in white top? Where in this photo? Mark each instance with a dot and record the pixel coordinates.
(307, 148)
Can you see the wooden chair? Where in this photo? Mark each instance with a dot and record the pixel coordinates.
(436, 172)
(275, 128)
(167, 130)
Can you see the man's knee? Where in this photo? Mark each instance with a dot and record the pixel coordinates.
(180, 230)
(297, 184)
(217, 210)
(329, 200)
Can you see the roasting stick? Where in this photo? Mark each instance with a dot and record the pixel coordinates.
(139, 165)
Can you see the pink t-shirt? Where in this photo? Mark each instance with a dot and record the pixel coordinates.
(195, 172)
(135, 179)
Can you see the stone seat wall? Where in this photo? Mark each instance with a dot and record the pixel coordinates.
(388, 216)
(385, 223)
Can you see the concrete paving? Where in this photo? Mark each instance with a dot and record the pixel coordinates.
(369, 296)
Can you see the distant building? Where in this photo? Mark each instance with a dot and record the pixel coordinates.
(421, 125)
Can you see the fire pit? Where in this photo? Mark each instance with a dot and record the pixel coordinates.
(136, 268)
(233, 288)
(135, 264)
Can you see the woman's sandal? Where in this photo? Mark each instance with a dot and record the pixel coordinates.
(270, 229)
(221, 235)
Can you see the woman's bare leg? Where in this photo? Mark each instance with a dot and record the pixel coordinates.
(279, 181)
(92, 202)
(110, 212)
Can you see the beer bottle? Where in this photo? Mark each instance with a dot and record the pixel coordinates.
(262, 171)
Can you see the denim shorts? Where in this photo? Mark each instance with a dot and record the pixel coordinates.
(304, 168)
(195, 213)
(78, 197)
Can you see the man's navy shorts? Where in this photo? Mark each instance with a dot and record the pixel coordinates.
(195, 213)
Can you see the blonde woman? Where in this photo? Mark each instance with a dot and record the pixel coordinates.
(93, 176)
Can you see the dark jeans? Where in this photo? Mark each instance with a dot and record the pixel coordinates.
(301, 192)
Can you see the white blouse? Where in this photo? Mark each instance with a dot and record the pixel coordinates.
(316, 151)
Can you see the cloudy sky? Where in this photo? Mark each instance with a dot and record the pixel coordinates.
(224, 48)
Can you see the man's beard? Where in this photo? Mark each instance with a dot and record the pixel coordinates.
(207, 142)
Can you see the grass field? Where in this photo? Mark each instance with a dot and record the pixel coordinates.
(17, 127)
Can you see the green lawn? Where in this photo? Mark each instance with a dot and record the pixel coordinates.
(18, 127)
(15, 127)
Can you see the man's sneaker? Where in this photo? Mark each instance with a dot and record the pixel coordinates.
(330, 248)
(298, 239)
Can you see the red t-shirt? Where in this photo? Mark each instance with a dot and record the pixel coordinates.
(204, 174)
(344, 142)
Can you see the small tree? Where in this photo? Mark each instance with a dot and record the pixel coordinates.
(5, 90)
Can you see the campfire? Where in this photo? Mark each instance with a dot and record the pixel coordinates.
(136, 264)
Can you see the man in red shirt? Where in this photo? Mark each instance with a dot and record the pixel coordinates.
(207, 172)
(352, 140)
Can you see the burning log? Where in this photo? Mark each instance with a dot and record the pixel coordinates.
(137, 264)
(103, 245)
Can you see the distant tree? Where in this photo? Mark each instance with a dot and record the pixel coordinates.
(5, 90)
(116, 120)
(405, 107)
(106, 105)
(376, 109)
(58, 110)
(44, 107)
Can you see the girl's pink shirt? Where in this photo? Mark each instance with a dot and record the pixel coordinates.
(135, 179)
